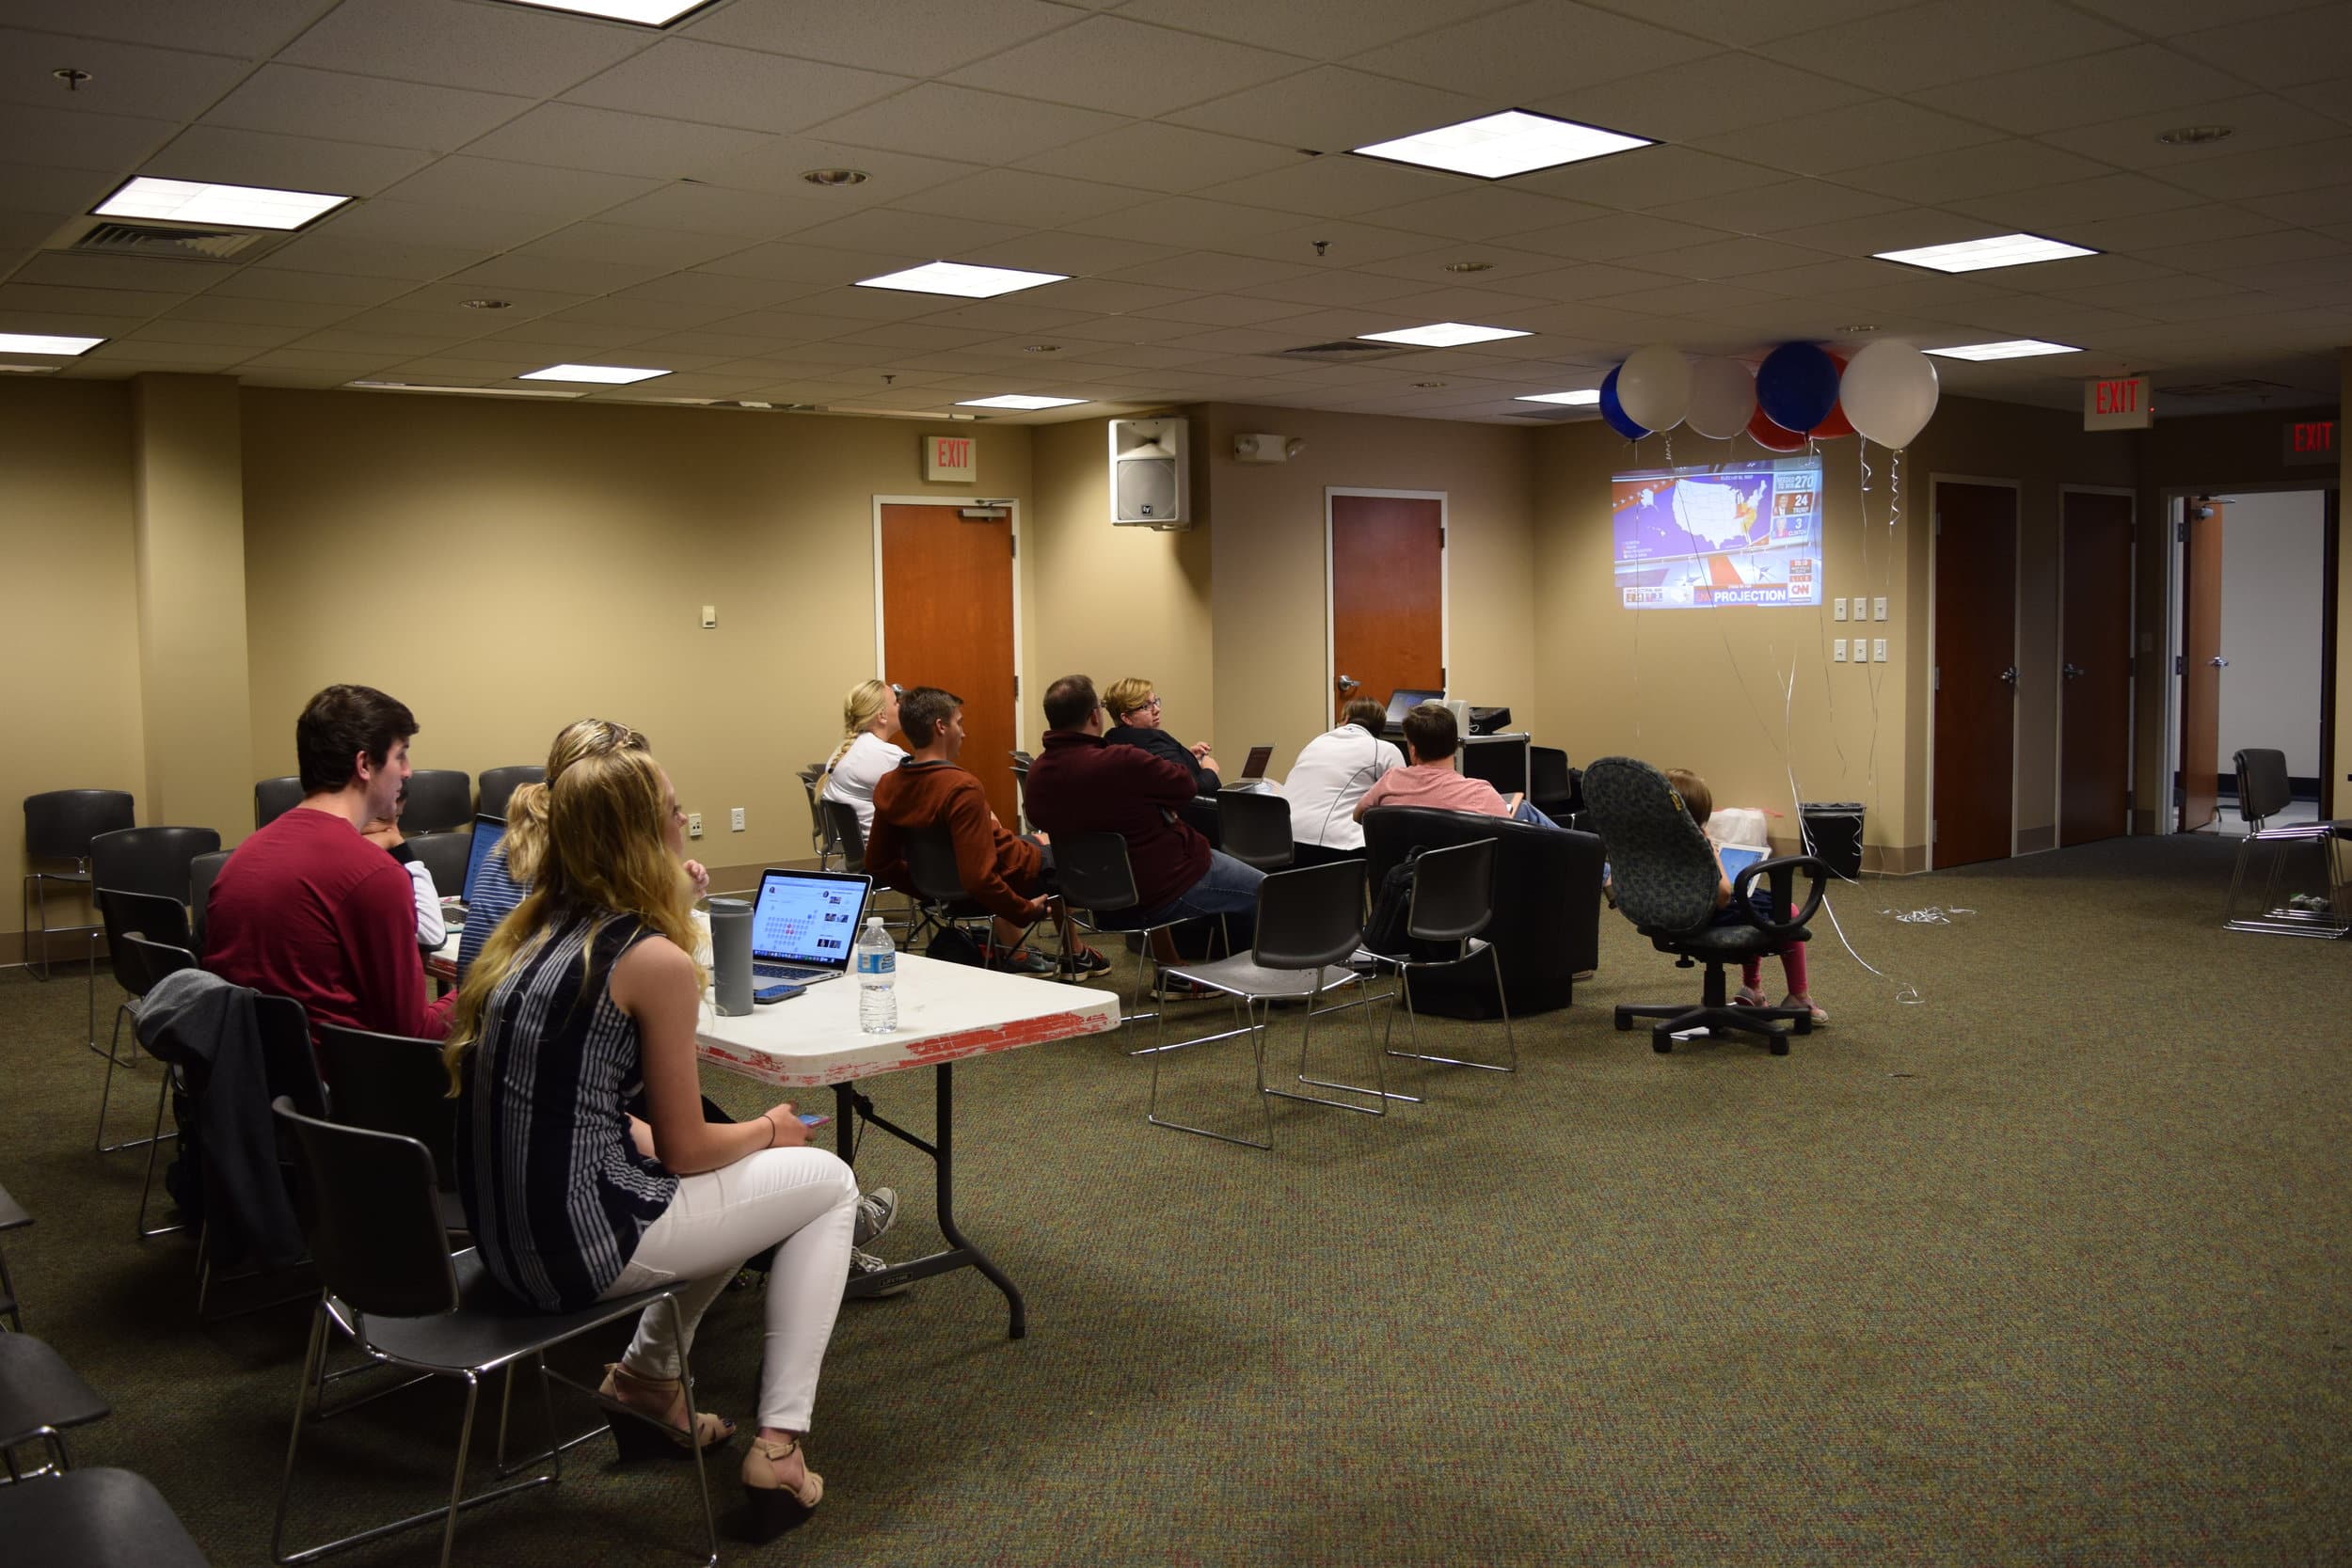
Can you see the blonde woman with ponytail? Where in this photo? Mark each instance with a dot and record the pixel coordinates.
(585, 994)
(869, 712)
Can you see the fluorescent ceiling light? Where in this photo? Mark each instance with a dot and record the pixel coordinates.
(2012, 348)
(1443, 335)
(469, 391)
(961, 279)
(645, 13)
(42, 342)
(2000, 250)
(608, 375)
(197, 201)
(1585, 399)
(1500, 146)
(27, 370)
(1019, 400)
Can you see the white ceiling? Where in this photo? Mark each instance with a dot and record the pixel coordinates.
(635, 196)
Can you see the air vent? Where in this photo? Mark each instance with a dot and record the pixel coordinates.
(1350, 351)
(2246, 387)
(162, 241)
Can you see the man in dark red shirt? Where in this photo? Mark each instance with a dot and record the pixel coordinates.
(309, 908)
(1081, 783)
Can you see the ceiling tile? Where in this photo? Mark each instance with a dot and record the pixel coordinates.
(1226, 310)
(294, 101)
(246, 28)
(522, 304)
(1568, 284)
(940, 120)
(2306, 46)
(1195, 220)
(216, 307)
(1773, 208)
(101, 143)
(1328, 109)
(1207, 272)
(2308, 209)
(560, 273)
(648, 315)
(459, 44)
(1743, 22)
(913, 38)
(216, 152)
(1819, 276)
(1013, 313)
(698, 287)
(714, 84)
(1346, 244)
(1353, 289)
(2011, 165)
(266, 281)
(325, 253)
(2140, 232)
(569, 340)
(1733, 257)
(1701, 98)
(180, 357)
(2262, 121)
(557, 194)
(1318, 29)
(572, 136)
(118, 272)
(2141, 79)
(86, 302)
(2307, 166)
(791, 262)
(2213, 255)
(1649, 177)
(1904, 229)
(1011, 195)
(2108, 195)
(1129, 67)
(1078, 255)
(628, 246)
(717, 210)
(1335, 186)
(926, 234)
(1619, 234)
(1946, 41)
(1535, 49)
(776, 167)
(126, 79)
(1483, 211)
(437, 224)
(52, 193)
(1153, 156)
(1828, 140)
(231, 333)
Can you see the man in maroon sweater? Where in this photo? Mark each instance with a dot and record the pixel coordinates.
(1081, 783)
(309, 908)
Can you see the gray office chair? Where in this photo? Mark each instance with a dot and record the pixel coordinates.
(498, 786)
(1255, 829)
(2263, 792)
(444, 854)
(1454, 900)
(1310, 923)
(58, 826)
(440, 801)
(274, 797)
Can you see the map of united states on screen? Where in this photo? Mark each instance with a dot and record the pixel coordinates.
(1719, 535)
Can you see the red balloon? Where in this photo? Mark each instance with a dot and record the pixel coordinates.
(1837, 424)
(1771, 436)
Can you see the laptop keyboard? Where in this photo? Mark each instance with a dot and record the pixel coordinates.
(789, 973)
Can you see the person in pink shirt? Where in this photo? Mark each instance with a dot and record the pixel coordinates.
(1428, 778)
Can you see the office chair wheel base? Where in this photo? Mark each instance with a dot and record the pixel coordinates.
(1780, 1045)
(1663, 1042)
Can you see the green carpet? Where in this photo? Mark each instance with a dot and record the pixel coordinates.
(2048, 1266)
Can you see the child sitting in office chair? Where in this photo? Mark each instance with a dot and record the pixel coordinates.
(1700, 801)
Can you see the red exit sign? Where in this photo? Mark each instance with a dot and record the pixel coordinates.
(2310, 441)
(2118, 403)
(951, 458)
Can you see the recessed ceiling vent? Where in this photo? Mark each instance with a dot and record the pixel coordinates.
(1348, 352)
(182, 242)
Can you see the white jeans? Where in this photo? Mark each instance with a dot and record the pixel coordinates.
(806, 1198)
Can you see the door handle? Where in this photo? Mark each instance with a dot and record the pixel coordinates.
(2218, 662)
(2069, 670)
(2009, 674)
(1346, 683)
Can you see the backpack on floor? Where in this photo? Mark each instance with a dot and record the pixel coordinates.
(1384, 932)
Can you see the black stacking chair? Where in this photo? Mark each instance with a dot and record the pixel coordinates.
(820, 830)
(1454, 900)
(274, 797)
(163, 920)
(1666, 876)
(372, 1212)
(145, 860)
(1255, 829)
(395, 1083)
(444, 854)
(844, 840)
(204, 872)
(1551, 784)
(2263, 792)
(498, 786)
(1311, 922)
(1097, 887)
(440, 801)
(102, 1518)
(940, 901)
(58, 826)
(41, 1399)
(12, 1217)
(1021, 761)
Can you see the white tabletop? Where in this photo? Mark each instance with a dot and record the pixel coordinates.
(946, 1011)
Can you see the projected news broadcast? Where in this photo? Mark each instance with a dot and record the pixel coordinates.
(1722, 535)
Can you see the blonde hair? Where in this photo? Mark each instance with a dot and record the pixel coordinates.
(604, 858)
(862, 707)
(1126, 694)
(1696, 797)
(527, 808)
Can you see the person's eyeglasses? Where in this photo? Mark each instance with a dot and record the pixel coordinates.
(1150, 707)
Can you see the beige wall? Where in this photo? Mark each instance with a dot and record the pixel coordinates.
(70, 705)
(1114, 601)
(1271, 650)
(504, 568)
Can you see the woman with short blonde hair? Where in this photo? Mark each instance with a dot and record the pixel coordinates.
(1134, 709)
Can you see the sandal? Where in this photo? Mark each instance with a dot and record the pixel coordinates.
(1818, 1016)
(1750, 997)
(773, 1506)
(649, 1434)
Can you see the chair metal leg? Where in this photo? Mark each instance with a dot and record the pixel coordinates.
(1381, 1095)
(694, 1424)
(1405, 984)
(105, 1092)
(155, 1143)
(457, 1472)
(1159, 1047)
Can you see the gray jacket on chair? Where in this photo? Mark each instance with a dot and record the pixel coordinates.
(202, 1024)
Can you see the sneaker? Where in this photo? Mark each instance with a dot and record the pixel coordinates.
(865, 1264)
(1018, 960)
(1176, 989)
(877, 1212)
(1086, 961)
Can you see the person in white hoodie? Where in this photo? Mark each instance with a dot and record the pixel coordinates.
(1331, 775)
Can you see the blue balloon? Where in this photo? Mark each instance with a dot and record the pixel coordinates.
(1796, 387)
(1614, 411)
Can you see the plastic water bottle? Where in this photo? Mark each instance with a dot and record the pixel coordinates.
(877, 979)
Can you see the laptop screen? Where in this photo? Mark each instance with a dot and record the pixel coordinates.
(1254, 766)
(487, 830)
(808, 917)
(1737, 858)
(1402, 701)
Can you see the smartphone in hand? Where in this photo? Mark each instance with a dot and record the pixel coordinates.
(814, 1118)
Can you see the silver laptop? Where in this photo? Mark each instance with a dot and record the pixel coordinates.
(804, 924)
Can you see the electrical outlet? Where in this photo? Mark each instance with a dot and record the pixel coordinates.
(1878, 651)
(1838, 609)
(1877, 608)
(694, 824)
(1837, 648)
(735, 820)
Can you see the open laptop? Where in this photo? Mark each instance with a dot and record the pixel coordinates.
(804, 924)
(1254, 766)
(1404, 701)
(487, 830)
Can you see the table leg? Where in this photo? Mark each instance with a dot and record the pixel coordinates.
(944, 1134)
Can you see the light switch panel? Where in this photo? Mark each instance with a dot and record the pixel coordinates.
(1877, 608)
(1838, 609)
(1877, 650)
(1837, 650)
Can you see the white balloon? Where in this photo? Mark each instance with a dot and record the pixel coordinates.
(1889, 392)
(1654, 387)
(1723, 398)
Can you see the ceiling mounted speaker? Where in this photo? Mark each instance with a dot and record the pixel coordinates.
(1150, 484)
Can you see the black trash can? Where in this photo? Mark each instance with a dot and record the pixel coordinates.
(1833, 831)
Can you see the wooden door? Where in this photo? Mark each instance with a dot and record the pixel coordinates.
(2201, 663)
(2095, 667)
(1387, 598)
(1976, 673)
(946, 609)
